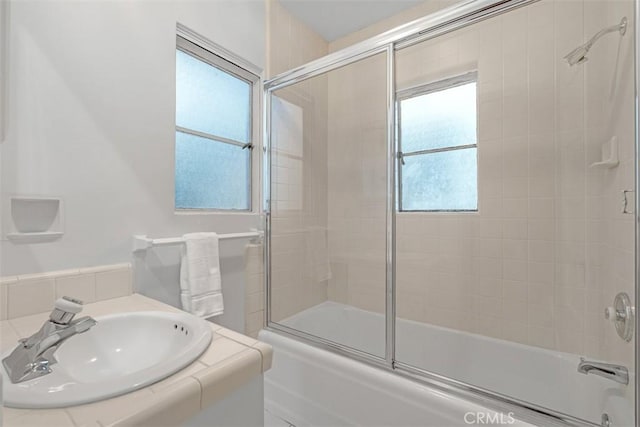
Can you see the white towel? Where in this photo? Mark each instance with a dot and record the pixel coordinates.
(200, 280)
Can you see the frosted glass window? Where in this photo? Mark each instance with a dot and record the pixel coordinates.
(210, 174)
(445, 118)
(438, 168)
(213, 130)
(211, 100)
(446, 180)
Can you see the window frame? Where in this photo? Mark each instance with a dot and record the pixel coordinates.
(222, 60)
(425, 89)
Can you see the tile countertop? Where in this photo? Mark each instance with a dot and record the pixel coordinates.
(230, 361)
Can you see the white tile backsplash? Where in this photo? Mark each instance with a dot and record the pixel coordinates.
(36, 293)
(113, 283)
(81, 286)
(30, 296)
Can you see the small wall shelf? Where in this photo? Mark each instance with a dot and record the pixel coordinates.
(36, 237)
(35, 219)
(609, 155)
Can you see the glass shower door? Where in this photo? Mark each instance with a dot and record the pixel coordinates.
(328, 137)
(510, 241)
(507, 238)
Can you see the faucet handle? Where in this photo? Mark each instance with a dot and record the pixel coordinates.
(65, 309)
(68, 304)
(613, 315)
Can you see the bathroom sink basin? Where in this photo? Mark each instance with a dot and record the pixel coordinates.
(122, 353)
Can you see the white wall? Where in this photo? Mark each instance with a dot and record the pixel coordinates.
(4, 20)
(91, 119)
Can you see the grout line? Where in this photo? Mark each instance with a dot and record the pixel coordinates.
(207, 366)
(201, 390)
(73, 422)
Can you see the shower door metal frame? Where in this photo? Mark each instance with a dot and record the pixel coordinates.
(433, 25)
(386, 361)
(636, 63)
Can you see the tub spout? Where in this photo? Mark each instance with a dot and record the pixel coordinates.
(616, 373)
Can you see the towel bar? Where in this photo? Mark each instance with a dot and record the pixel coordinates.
(141, 242)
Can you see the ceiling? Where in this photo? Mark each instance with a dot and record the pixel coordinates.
(333, 19)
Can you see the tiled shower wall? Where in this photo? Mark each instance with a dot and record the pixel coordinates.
(299, 167)
(609, 111)
(254, 289)
(357, 183)
(549, 247)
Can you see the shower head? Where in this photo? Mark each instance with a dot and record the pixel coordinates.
(579, 54)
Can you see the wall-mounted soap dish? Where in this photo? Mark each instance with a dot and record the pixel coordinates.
(609, 155)
(35, 219)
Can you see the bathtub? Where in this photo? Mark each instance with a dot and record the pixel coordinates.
(308, 386)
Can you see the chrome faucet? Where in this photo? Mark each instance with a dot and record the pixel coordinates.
(616, 373)
(33, 356)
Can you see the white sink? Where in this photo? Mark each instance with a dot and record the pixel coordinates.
(122, 353)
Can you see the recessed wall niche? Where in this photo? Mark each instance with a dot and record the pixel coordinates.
(35, 219)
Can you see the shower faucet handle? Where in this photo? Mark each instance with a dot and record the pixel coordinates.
(622, 315)
(612, 314)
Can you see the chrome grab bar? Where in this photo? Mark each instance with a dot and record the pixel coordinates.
(616, 373)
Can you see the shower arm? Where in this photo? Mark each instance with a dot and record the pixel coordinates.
(621, 28)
